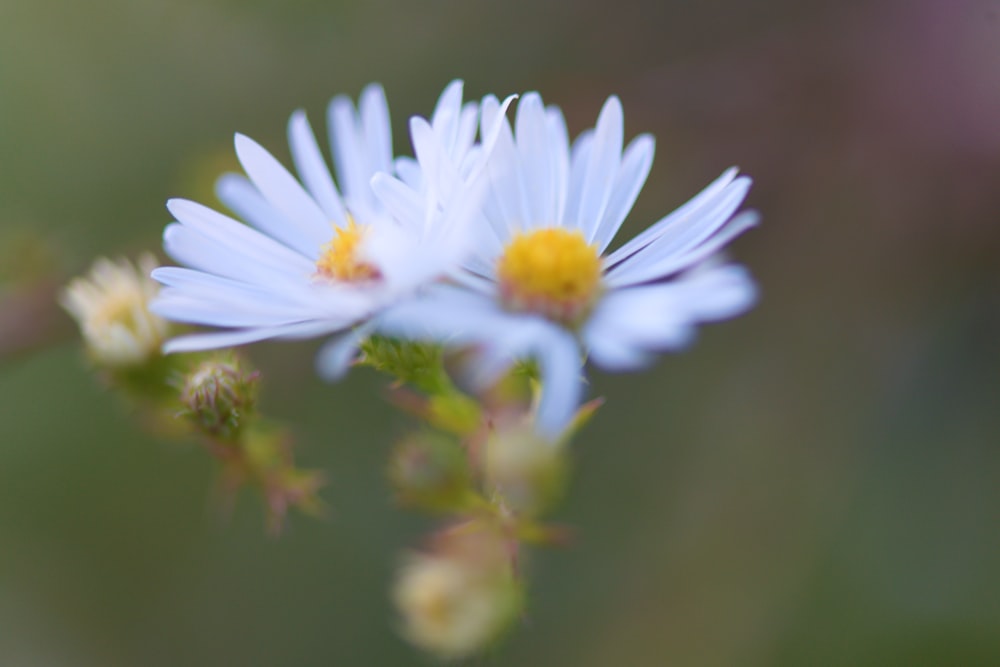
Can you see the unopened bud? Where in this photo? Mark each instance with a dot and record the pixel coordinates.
(526, 471)
(219, 395)
(459, 599)
(111, 305)
(431, 471)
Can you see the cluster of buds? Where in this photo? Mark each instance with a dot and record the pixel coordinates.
(212, 396)
(478, 462)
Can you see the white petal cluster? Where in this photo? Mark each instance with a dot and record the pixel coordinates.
(448, 242)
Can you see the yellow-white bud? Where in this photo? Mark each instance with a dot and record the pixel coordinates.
(459, 599)
(527, 472)
(111, 305)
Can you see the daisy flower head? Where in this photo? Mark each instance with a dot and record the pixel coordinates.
(541, 283)
(316, 255)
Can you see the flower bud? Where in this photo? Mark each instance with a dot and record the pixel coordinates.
(431, 471)
(111, 305)
(527, 472)
(458, 599)
(219, 395)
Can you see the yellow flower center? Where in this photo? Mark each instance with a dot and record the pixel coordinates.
(553, 272)
(339, 258)
(123, 308)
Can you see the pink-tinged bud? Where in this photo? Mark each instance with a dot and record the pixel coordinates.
(220, 396)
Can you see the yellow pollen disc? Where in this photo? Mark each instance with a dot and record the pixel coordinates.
(553, 272)
(339, 259)
(120, 308)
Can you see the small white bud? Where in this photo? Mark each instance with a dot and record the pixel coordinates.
(525, 470)
(458, 599)
(111, 306)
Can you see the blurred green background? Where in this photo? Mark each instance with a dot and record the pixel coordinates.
(816, 483)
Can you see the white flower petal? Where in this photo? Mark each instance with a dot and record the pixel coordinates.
(688, 214)
(226, 291)
(192, 248)
(243, 199)
(400, 200)
(683, 237)
(405, 260)
(630, 322)
(474, 281)
(176, 276)
(719, 292)
(506, 192)
(441, 314)
(447, 112)
(579, 161)
(615, 353)
(336, 356)
(539, 164)
(197, 251)
(440, 174)
(603, 163)
(488, 247)
(281, 189)
(353, 167)
(408, 170)
(654, 317)
(239, 239)
(223, 313)
(636, 163)
(562, 386)
(468, 123)
(215, 340)
(494, 120)
(647, 264)
(312, 168)
(558, 147)
(376, 128)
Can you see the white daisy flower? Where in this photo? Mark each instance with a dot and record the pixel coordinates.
(111, 305)
(314, 259)
(542, 283)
